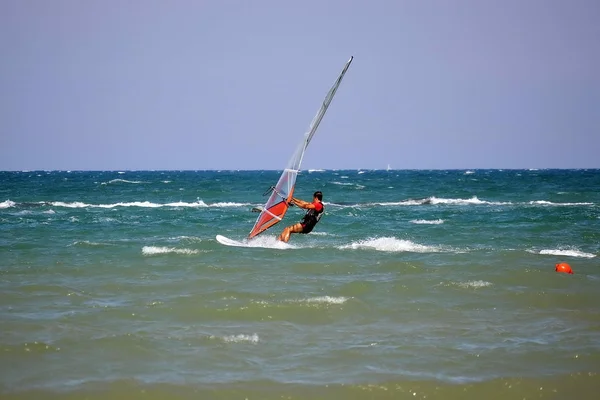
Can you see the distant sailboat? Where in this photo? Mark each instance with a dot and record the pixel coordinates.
(388, 167)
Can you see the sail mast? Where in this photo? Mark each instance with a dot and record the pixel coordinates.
(321, 113)
(277, 204)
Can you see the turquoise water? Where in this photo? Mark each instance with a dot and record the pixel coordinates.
(415, 284)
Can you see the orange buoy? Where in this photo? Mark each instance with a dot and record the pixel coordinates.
(563, 267)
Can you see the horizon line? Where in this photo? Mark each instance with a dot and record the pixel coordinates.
(305, 170)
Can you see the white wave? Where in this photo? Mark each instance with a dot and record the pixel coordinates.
(320, 233)
(89, 243)
(435, 200)
(121, 181)
(427, 221)
(186, 238)
(343, 183)
(229, 204)
(198, 203)
(397, 203)
(254, 339)
(7, 204)
(315, 170)
(325, 300)
(391, 244)
(166, 181)
(49, 212)
(340, 205)
(103, 220)
(349, 184)
(472, 284)
(549, 203)
(459, 202)
(469, 172)
(143, 204)
(75, 204)
(471, 201)
(154, 250)
(567, 252)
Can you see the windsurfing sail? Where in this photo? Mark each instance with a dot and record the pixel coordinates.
(281, 194)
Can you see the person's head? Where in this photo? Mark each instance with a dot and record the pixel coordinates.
(318, 195)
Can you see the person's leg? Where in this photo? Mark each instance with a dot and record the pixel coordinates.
(285, 235)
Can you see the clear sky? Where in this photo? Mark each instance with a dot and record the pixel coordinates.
(222, 84)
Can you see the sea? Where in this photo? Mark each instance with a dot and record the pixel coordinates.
(415, 284)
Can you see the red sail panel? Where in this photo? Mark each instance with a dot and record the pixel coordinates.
(271, 215)
(269, 218)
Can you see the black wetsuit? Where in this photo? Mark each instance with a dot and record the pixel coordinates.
(311, 218)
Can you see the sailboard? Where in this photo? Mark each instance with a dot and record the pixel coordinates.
(230, 242)
(281, 194)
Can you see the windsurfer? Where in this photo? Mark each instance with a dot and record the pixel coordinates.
(313, 215)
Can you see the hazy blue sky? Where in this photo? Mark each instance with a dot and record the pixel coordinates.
(109, 84)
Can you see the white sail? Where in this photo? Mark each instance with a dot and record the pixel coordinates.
(277, 204)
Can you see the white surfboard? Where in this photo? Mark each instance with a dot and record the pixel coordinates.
(230, 242)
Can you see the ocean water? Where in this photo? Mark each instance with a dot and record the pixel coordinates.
(415, 284)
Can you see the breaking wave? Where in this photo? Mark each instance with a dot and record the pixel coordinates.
(121, 181)
(323, 300)
(549, 203)
(144, 204)
(7, 204)
(567, 253)
(391, 244)
(471, 284)
(427, 221)
(156, 250)
(254, 339)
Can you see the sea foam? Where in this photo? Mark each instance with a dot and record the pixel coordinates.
(144, 204)
(427, 221)
(254, 339)
(442, 201)
(567, 252)
(7, 204)
(549, 203)
(472, 284)
(391, 244)
(325, 300)
(268, 242)
(155, 250)
(121, 181)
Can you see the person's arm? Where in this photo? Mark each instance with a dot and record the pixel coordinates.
(302, 203)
